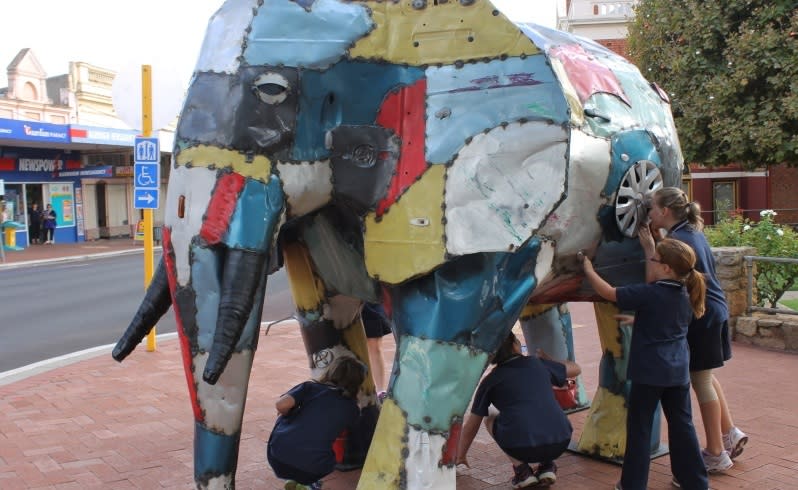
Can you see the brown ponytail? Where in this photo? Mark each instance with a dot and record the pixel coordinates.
(675, 199)
(681, 259)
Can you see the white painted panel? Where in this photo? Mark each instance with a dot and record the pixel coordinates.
(307, 185)
(196, 184)
(502, 185)
(574, 224)
(223, 403)
(424, 452)
(225, 36)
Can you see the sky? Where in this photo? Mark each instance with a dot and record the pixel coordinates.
(166, 34)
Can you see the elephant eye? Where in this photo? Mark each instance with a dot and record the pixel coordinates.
(271, 88)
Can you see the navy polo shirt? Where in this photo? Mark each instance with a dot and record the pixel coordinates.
(717, 310)
(520, 389)
(304, 438)
(659, 355)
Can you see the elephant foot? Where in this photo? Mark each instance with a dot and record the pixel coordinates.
(415, 442)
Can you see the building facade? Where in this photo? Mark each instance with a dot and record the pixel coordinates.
(61, 144)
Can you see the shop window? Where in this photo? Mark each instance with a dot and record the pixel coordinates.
(724, 199)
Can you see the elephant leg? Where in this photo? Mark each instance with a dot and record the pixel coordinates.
(549, 327)
(448, 324)
(332, 328)
(604, 431)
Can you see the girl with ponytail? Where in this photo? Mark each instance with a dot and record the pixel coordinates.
(659, 360)
(708, 335)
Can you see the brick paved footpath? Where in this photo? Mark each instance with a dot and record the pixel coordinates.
(100, 424)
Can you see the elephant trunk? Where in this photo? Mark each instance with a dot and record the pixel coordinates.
(156, 302)
(242, 274)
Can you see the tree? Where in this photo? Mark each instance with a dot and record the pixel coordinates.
(730, 68)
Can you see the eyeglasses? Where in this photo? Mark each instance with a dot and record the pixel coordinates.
(652, 259)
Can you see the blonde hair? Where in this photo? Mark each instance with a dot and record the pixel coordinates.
(676, 200)
(681, 259)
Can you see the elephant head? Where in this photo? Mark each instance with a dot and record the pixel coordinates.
(408, 134)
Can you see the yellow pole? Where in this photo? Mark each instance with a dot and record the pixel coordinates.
(146, 123)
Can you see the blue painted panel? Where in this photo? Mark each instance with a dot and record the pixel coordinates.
(258, 210)
(465, 101)
(214, 454)
(636, 145)
(284, 33)
(347, 93)
(473, 300)
(205, 281)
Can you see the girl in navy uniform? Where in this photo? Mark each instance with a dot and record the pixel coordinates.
(708, 336)
(312, 415)
(659, 360)
(527, 422)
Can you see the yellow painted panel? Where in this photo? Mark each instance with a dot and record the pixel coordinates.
(441, 33)
(259, 168)
(355, 338)
(385, 462)
(409, 239)
(604, 432)
(307, 291)
(609, 329)
(534, 309)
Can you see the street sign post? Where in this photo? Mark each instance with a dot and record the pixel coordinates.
(146, 173)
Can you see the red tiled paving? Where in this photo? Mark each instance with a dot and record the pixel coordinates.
(100, 424)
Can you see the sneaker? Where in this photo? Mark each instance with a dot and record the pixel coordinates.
(381, 395)
(714, 464)
(675, 482)
(524, 476)
(734, 442)
(292, 485)
(618, 485)
(546, 473)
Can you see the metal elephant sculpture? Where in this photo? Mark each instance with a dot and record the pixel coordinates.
(434, 156)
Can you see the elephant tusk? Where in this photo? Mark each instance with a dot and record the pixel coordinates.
(156, 302)
(243, 273)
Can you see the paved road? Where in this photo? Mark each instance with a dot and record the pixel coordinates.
(48, 311)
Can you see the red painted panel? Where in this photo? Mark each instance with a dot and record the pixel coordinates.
(185, 345)
(404, 112)
(586, 74)
(7, 164)
(450, 449)
(72, 164)
(221, 207)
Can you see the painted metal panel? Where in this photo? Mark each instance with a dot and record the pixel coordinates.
(403, 111)
(284, 33)
(408, 240)
(463, 102)
(224, 39)
(503, 185)
(211, 158)
(307, 186)
(586, 73)
(189, 189)
(588, 170)
(223, 403)
(259, 209)
(443, 33)
(347, 93)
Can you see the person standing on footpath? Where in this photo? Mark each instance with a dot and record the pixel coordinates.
(49, 219)
(708, 336)
(35, 223)
(659, 361)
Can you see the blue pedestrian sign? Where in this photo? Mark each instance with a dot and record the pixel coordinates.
(145, 198)
(146, 150)
(146, 173)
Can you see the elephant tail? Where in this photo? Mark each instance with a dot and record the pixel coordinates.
(156, 302)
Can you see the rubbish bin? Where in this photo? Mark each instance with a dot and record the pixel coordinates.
(10, 235)
(156, 234)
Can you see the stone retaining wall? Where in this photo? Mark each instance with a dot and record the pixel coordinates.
(772, 331)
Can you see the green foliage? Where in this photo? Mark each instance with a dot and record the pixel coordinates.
(731, 70)
(770, 240)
